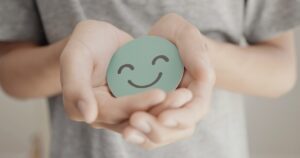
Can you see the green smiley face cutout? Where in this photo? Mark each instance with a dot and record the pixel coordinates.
(142, 64)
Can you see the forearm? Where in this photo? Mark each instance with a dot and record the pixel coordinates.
(263, 70)
(31, 71)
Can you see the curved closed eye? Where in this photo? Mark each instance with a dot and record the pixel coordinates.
(131, 67)
(165, 58)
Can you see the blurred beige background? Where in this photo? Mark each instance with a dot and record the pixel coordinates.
(273, 127)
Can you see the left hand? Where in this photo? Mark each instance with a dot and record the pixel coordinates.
(177, 116)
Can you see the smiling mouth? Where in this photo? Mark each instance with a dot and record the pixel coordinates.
(147, 85)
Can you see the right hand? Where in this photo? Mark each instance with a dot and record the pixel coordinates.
(84, 61)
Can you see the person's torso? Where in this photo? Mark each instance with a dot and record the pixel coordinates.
(221, 18)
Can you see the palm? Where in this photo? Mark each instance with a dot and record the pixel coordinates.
(177, 116)
(83, 74)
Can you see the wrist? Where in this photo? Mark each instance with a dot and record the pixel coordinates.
(213, 47)
(52, 68)
(54, 52)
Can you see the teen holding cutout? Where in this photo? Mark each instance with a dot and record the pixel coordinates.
(208, 35)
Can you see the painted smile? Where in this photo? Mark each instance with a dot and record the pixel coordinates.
(147, 85)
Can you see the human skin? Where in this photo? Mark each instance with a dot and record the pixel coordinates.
(252, 60)
(25, 65)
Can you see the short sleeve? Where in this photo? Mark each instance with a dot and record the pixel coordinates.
(19, 21)
(267, 18)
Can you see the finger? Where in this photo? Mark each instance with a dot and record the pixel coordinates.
(91, 41)
(76, 70)
(174, 99)
(118, 128)
(184, 117)
(141, 101)
(72, 111)
(132, 135)
(136, 137)
(114, 110)
(191, 112)
(155, 132)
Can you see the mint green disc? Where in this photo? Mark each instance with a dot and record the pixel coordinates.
(142, 64)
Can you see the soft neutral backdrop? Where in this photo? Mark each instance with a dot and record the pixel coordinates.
(273, 125)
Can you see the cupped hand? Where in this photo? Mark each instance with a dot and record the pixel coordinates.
(176, 117)
(83, 62)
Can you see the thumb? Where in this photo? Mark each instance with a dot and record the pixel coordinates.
(76, 71)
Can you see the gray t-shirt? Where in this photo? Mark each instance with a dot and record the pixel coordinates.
(222, 134)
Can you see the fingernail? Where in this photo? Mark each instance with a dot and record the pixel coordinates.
(82, 108)
(144, 126)
(170, 123)
(135, 138)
